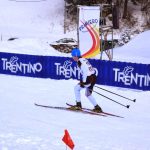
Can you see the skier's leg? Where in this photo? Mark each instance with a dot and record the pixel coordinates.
(88, 93)
(77, 90)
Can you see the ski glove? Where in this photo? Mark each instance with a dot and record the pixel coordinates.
(81, 84)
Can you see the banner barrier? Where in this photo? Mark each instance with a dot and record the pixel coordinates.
(112, 73)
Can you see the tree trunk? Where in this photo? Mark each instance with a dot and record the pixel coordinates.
(125, 12)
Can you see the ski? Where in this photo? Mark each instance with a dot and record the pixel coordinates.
(103, 113)
(84, 111)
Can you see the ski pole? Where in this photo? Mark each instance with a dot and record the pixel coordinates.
(127, 106)
(133, 100)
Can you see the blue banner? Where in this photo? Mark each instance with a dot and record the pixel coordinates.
(119, 74)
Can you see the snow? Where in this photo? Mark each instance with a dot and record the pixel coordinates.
(25, 16)
(137, 50)
(23, 126)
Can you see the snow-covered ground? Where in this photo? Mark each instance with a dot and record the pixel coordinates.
(23, 126)
(33, 19)
(27, 127)
(137, 50)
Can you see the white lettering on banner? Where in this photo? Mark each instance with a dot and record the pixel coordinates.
(14, 66)
(127, 77)
(68, 71)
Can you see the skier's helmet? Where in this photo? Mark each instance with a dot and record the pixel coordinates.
(75, 52)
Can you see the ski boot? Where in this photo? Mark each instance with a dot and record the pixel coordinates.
(78, 106)
(97, 109)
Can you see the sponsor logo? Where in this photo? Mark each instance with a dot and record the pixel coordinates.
(14, 66)
(128, 77)
(67, 70)
(90, 22)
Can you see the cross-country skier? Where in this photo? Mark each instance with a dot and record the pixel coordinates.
(87, 82)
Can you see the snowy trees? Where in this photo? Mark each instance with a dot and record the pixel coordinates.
(145, 7)
(124, 7)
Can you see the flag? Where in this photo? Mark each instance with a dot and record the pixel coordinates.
(67, 140)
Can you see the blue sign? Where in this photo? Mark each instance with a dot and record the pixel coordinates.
(120, 74)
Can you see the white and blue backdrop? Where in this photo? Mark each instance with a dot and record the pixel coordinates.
(112, 73)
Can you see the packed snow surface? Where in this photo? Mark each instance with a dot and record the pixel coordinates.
(23, 126)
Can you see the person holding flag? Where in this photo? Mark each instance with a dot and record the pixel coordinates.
(87, 82)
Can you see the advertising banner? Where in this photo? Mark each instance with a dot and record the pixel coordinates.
(88, 30)
(23, 65)
(119, 74)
